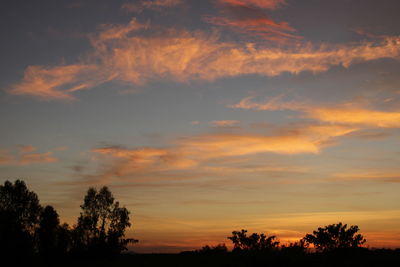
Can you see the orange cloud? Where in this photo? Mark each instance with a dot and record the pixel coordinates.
(123, 54)
(225, 123)
(145, 159)
(308, 139)
(372, 118)
(26, 149)
(198, 153)
(6, 158)
(271, 104)
(32, 158)
(25, 156)
(55, 82)
(350, 113)
(371, 175)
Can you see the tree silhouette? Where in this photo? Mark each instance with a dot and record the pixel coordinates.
(19, 213)
(254, 242)
(64, 239)
(335, 236)
(53, 239)
(101, 224)
(47, 231)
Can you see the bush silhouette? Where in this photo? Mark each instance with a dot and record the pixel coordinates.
(335, 236)
(299, 247)
(213, 250)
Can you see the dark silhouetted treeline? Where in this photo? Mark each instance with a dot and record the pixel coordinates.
(33, 234)
(29, 230)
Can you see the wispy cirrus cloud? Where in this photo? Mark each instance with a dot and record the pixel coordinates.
(262, 27)
(150, 4)
(289, 141)
(137, 54)
(267, 4)
(25, 155)
(370, 175)
(348, 113)
(197, 154)
(249, 17)
(57, 82)
(225, 123)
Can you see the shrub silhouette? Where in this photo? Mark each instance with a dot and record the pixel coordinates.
(212, 250)
(335, 236)
(19, 213)
(254, 242)
(101, 224)
(298, 247)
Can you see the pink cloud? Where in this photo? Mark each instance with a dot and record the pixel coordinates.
(248, 17)
(262, 27)
(266, 4)
(25, 156)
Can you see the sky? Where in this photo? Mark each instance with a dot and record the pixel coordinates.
(205, 117)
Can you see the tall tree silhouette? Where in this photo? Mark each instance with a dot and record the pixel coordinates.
(19, 213)
(53, 239)
(47, 231)
(101, 224)
(335, 236)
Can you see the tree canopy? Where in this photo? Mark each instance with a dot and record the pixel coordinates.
(335, 236)
(254, 242)
(19, 212)
(102, 223)
(27, 228)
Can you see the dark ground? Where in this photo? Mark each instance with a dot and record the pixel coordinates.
(363, 258)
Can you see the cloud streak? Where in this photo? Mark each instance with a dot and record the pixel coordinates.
(225, 123)
(373, 176)
(249, 17)
(198, 154)
(138, 54)
(266, 4)
(25, 155)
(349, 113)
(150, 4)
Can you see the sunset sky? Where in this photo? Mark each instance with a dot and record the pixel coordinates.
(207, 116)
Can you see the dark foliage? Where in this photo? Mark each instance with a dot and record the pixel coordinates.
(28, 230)
(299, 247)
(19, 213)
(101, 225)
(212, 250)
(255, 242)
(53, 239)
(335, 236)
(33, 234)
